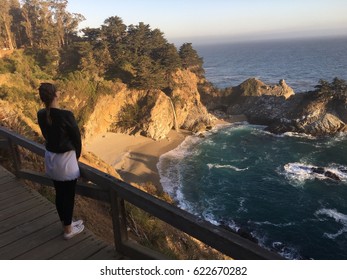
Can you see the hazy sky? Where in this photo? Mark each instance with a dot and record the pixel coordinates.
(210, 21)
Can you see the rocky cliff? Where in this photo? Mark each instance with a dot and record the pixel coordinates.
(152, 113)
(318, 112)
(101, 106)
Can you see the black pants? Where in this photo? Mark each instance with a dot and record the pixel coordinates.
(65, 200)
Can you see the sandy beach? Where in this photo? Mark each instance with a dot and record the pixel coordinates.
(135, 157)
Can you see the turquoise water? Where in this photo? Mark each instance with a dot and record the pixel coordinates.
(241, 176)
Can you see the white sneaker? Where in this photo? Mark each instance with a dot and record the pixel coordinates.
(74, 231)
(76, 223)
(73, 224)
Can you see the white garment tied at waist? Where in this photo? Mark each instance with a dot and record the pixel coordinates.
(62, 166)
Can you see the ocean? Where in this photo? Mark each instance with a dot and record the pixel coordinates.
(243, 177)
(302, 63)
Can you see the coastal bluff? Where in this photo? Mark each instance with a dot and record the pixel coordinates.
(322, 111)
(150, 113)
(154, 113)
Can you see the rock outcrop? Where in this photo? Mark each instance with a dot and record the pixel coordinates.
(314, 114)
(151, 113)
(319, 112)
(231, 96)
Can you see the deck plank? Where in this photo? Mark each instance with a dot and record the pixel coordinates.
(8, 202)
(9, 185)
(6, 179)
(27, 216)
(106, 253)
(30, 228)
(18, 208)
(52, 247)
(11, 193)
(82, 250)
(30, 242)
(27, 229)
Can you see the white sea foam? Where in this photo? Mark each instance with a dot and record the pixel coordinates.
(280, 225)
(208, 216)
(338, 138)
(232, 225)
(298, 172)
(242, 208)
(299, 135)
(227, 166)
(338, 217)
(286, 251)
(169, 167)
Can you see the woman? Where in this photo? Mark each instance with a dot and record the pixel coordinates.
(63, 148)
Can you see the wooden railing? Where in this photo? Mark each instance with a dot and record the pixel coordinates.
(103, 187)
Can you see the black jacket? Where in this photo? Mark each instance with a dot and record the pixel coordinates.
(63, 134)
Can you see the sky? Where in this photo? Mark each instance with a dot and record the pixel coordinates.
(216, 21)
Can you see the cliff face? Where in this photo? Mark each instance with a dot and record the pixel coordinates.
(319, 112)
(151, 113)
(315, 113)
(11, 116)
(116, 107)
(191, 113)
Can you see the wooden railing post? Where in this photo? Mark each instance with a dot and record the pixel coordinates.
(17, 164)
(118, 220)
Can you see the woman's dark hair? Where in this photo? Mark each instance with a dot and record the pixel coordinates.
(47, 93)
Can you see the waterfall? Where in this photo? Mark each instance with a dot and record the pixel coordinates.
(174, 113)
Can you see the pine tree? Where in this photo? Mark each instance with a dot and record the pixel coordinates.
(5, 25)
(190, 59)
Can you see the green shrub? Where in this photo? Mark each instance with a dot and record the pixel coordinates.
(130, 116)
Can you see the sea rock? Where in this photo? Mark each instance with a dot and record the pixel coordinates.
(255, 87)
(332, 175)
(160, 118)
(319, 112)
(327, 173)
(190, 111)
(259, 102)
(327, 123)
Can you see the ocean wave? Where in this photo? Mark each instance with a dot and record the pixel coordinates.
(242, 208)
(338, 217)
(211, 165)
(254, 231)
(169, 166)
(299, 173)
(287, 251)
(336, 139)
(299, 135)
(280, 225)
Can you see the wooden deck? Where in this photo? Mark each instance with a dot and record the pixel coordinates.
(30, 228)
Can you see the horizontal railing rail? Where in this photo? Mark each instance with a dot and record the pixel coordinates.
(104, 187)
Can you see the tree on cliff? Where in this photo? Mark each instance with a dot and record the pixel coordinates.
(190, 59)
(136, 54)
(6, 20)
(36, 23)
(150, 56)
(337, 87)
